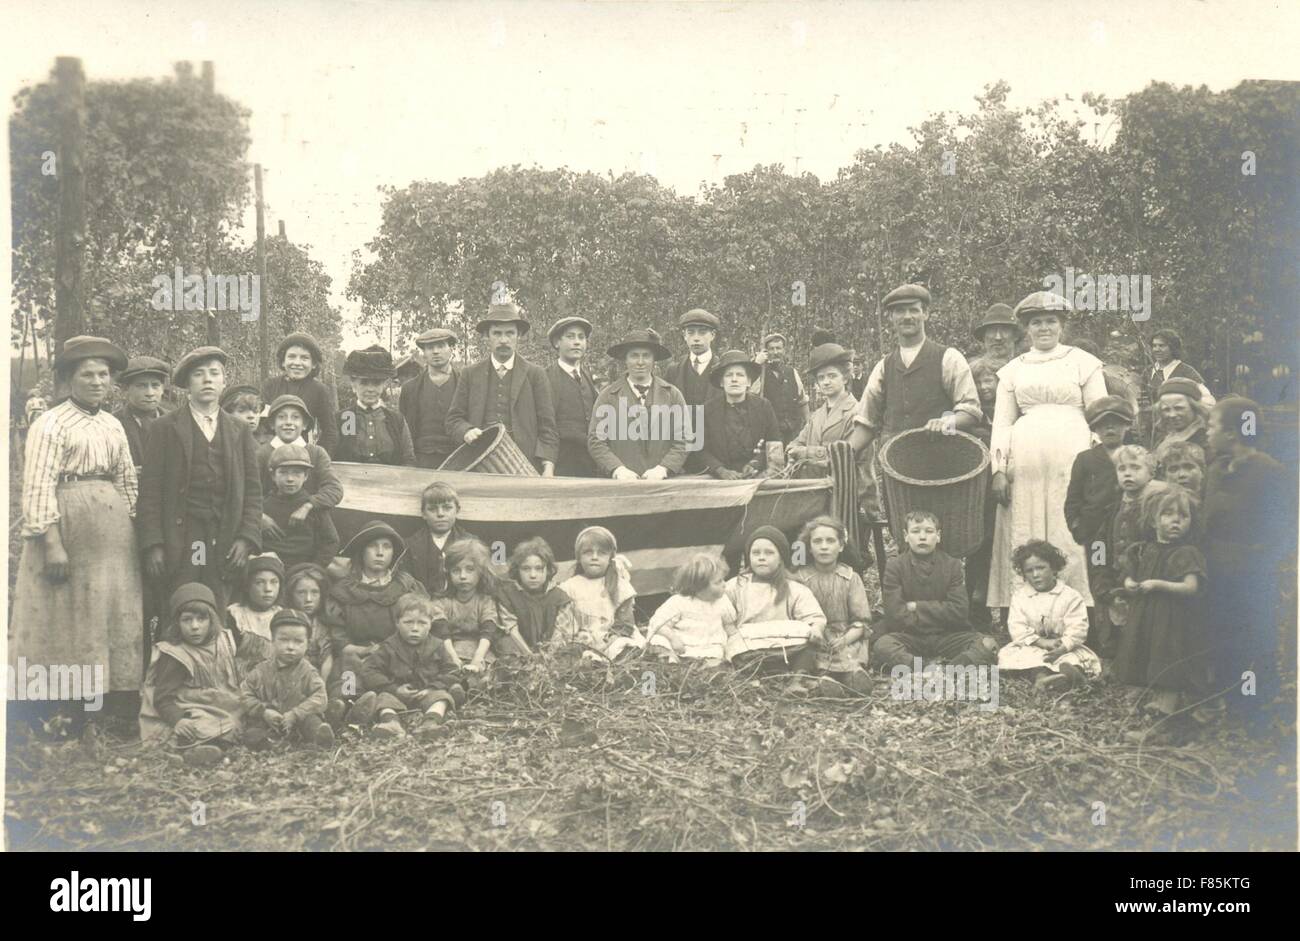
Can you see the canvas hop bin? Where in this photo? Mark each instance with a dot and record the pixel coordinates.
(944, 473)
(493, 452)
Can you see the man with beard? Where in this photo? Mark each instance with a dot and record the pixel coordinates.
(506, 388)
(574, 392)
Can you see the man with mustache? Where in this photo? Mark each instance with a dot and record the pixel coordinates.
(508, 389)
(780, 384)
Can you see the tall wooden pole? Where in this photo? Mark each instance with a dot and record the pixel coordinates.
(263, 317)
(70, 238)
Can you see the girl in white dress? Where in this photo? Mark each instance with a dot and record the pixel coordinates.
(696, 620)
(603, 600)
(1038, 428)
(1048, 623)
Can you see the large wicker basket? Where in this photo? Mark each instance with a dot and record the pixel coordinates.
(946, 474)
(493, 452)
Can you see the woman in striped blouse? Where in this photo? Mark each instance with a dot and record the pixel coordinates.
(77, 600)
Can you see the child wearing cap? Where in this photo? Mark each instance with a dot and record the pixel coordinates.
(362, 605)
(927, 610)
(299, 356)
(243, 403)
(1090, 503)
(142, 382)
(295, 540)
(191, 692)
(263, 576)
(284, 696)
(305, 588)
(290, 421)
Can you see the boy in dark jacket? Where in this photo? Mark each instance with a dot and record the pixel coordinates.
(296, 540)
(926, 608)
(439, 505)
(290, 421)
(284, 695)
(1090, 504)
(410, 670)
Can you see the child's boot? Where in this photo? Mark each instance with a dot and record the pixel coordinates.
(363, 710)
(203, 756)
(829, 688)
(335, 713)
(389, 726)
(431, 726)
(323, 736)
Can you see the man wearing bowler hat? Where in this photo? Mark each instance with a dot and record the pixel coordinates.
(998, 333)
(426, 398)
(690, 373)
(200, 510)
(574, 392)
(142, 383)
(625, 403)
(506, 388)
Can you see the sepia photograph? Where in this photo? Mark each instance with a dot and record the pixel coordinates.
(653, 426)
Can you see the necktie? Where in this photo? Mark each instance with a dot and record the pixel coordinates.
(577, 377)
(501, 372)
(641, 391)
(699, 365)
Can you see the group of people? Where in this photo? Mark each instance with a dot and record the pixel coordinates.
(199, 543)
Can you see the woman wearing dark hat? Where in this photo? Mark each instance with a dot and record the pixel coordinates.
(427, 396)
(1038, 428)
(77, 599)
(638, 394)
(299, 355)
(1181, 416)
(371, 432)
(736, 423)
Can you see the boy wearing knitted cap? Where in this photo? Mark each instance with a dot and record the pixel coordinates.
(293, 539)
(284, 696)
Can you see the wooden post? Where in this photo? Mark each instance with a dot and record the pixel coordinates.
(70, 237)
(263, 366)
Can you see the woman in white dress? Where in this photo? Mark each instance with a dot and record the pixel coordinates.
(1038, 428)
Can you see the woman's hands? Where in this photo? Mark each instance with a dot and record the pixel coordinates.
(56, 557)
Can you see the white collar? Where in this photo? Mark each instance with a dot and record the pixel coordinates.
(706, 357)
(440, 541)
(277, 442)
(575, 371)
(200, 414)
(1170, 366)
(508, 364)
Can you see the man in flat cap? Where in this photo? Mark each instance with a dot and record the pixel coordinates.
(142, 384)
(200, 511)
(919, 383)
(426, 399)
(690, 372)
(506, 388)
(780, 384)
(998, 333)
(574, 392)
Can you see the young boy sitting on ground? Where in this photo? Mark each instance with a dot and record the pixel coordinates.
(926, 609)
(284, 695)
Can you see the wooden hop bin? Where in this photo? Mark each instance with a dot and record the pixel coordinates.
(493, 452)
(946, 474)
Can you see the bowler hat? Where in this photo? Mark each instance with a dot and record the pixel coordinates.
(734, 358)
(1108, 405)
(290, 455)
(368, 534)
(1042, 302)
(564, 323)
(290, 401)
(137, 367)
(181, 374)
(233, 392)
(374, 362)
(648, 338)
(999, 315)
(307, 342)
(821, 335)
(503, 313)
(1181, 387)
(829, 354)
(437, 335)
(905, 294)
(700, 317)
(85, 347)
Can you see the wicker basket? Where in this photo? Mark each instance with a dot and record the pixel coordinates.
(493, 452)
(946, 474)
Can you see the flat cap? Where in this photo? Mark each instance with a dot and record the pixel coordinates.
(230, 393)
(290, 455)
(137, 367)
(1042, 302)
(699, 316)
(1180, 387)
(905, 294)
(181, 374)
(1108, 405)
(287, 616)
(565, 323)
(437, 335)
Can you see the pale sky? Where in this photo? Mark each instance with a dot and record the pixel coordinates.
(348, 95)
